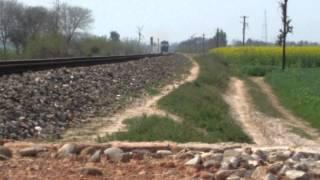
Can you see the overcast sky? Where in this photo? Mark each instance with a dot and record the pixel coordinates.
(177, 20)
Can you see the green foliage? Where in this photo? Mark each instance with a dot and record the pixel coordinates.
(255, 70)
(298, 89)
(156, 128)
(46, 46)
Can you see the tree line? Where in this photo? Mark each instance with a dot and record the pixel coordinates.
(59, 31)
(202, 44)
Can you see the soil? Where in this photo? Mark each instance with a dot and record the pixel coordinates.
(265, 130)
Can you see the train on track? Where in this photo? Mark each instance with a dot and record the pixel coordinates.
(164, 47)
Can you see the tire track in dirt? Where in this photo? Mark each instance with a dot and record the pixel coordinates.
(143, 106)
(263, 130)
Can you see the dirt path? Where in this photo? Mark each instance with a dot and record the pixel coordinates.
(143, 106)
(291, 119)
(263, 130)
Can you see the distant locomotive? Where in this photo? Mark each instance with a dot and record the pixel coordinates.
(164, 47)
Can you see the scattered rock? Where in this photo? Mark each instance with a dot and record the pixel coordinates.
(114, 154)
(207, 175)
(3, 158)
(231, 153)
(233, 177)
(95, 157)
(296, 175)
(68, 149)
(259, 155)
(271, 176)
(259, 172)
(91, 171)
(194, 162)
(248, 150)
(275, 168)
(211, 163)
(301, 167)
(5, 153)
(164, 152)
(223, 174)
(89, 151)
(29, 152)
(234, 162)
(283, 156)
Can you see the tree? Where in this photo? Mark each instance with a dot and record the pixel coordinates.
(7, 23)
(73, 19)
(30, 23)
(287, 28)
(114, 36)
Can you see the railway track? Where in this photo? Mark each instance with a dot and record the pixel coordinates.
(20, 66)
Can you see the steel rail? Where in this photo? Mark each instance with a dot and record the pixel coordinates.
(20, 66)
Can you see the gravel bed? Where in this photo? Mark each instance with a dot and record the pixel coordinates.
(60, 98)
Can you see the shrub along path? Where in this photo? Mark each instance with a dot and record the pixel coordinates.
(263, 129)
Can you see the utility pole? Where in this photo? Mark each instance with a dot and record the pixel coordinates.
(203, 43)
(218, 38)
(245, 25)
(151, 44)
(265, 26)
(158, 45)
(139, 31)
(57, 9)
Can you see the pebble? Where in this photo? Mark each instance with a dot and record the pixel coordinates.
(5, 152)
(195, 161)
(164, 152)
(114, 154)
(223, 174)
(270, 176)
(211, 163)
(91, 171)
(296, 175)
(95, 157)
(29, 152)
(68, 149)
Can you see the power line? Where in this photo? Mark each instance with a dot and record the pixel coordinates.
(245, 25)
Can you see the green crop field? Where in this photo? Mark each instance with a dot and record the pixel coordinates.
(297, 87)
(298, 90)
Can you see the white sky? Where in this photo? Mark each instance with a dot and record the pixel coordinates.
(177, 20)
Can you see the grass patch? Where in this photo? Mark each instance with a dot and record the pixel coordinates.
(201, 105)
(261, 100)
(298, 89)
(155, 128)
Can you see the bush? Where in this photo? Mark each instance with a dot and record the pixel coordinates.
(256, 70)
(46, 46)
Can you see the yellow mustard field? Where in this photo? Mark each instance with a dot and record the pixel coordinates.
(296, 56)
